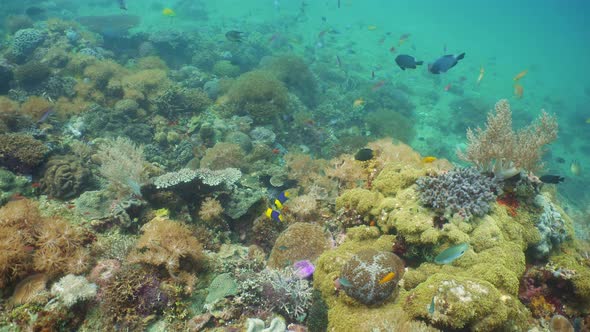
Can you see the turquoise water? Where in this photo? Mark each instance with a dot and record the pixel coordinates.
(149, 152)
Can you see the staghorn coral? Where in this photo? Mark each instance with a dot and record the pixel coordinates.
(21, 153)
(499, 149)
(168, 244)
(365, 270)
(64, 177)
(462, 191)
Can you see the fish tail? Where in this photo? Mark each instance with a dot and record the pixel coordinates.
(461, 56)
(419, 62)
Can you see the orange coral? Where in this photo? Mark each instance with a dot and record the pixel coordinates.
(165, 243)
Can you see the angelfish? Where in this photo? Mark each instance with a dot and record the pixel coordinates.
(122, 4)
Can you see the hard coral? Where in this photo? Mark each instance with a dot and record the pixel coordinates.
(294, 72)
(21, 153)
(298, 242)
(64, 177)
(223, 155)
(364, 272)
(260, 95)
(31, 73)
(462, 191)
(25, 41)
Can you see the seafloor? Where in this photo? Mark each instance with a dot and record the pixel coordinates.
(210, 179)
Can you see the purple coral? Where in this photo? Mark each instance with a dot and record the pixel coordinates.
(303, 269)
(464, 191)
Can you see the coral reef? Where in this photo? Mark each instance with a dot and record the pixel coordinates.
(72, 289)
(364, 272)
(25, 41)
(21, 153)
(298, 242)
(462, 191)
(64, 177)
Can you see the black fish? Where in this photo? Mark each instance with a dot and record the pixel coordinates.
(407, 61)
(444, 63)
(364, 154)
(233, 35)
(555, 179)
(34, 11)
(560, 160)
(122, 4)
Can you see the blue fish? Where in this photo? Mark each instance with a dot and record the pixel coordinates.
(122, 4)
(449, 255)
(431, 307)
(444, 63)
(344, 282)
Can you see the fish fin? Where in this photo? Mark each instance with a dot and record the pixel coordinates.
(402, 68)
(461, 56)
(419, 63)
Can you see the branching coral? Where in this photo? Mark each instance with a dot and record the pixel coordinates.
(499, 149)
(168, 244)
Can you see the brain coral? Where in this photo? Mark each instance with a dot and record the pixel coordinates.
(299, 241)
(64, 177)
(365, 270)
(25, 41)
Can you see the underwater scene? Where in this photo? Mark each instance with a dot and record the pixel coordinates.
(294, 165)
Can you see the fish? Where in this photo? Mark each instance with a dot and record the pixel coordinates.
(338, 61)
(358, 103)
(274, 215)
(234, 36)
(447, 87)
(428, 159)
(403, 38)
(388, 277)
(378, 85)
(451, 254)
(518, 90)
(372, 74)
(588, 120)
(554, 179)
(338, 3)
(372, 27)
(122, 4)
(575, 168)
(364, 154)
(560, 160)
(344, 282)
(405, 61)
(444, 63)
(392, 49)
(168, 12)
(48, 112)
(520, 75)
(281, 199)
(431, 306)
(481, 73)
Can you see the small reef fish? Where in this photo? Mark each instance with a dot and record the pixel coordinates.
(344, 282)
(372, 27)
(388, 277)
(554, 179)
(168, 12)
(358, 102)
(281, 199)
(364, 154)
(405, 61)
(520, 75)
(274, 215)
(234, 36)
(46, 115)
(444, 63)
(518, 90)
(338, 61)
(122, 4)
(575, 168)
(447, 87)
(428, 159)
(403, 38)
(392, 49)
(377, 85)
(588, 120)
(451, 254)
(431, 306)
(481, 74)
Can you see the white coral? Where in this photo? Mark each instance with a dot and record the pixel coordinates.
(71, 289)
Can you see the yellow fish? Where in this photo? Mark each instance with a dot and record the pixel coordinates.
(358, 103)
(520, 75)
(575, 168)
(388, 277)
(518, 90)
(588, 120)
(428, 159)
(481, 73)
(168, 12)
(372, 27)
